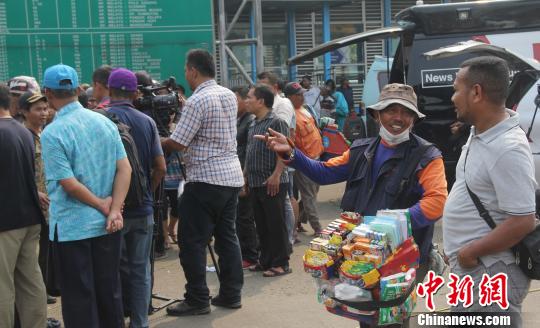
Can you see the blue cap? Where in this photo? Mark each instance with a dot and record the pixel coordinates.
(60, 77)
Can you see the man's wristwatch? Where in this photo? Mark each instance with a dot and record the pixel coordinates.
(290, 155)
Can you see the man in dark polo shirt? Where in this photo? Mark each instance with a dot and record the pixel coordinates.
(20, 224)
(245, 223)
(267, 183)
(138, 220)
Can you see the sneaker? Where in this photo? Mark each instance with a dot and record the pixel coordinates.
(221, 302)
(247, 264)
(184, 309)
(436, 260)
(53, 323)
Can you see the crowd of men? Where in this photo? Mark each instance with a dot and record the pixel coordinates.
(74, 187)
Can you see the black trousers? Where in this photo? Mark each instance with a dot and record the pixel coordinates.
(269, 215)
(90, 282)
(209, 210)
(43, 255)
(245, 228)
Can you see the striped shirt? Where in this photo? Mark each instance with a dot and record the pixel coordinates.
(207, 127)
(261, 161)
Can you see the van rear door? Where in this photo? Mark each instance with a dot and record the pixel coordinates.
(523, 92)
(372, 35)
(526, 70)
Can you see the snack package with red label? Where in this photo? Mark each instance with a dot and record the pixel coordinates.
(351, 217)
(405, 258)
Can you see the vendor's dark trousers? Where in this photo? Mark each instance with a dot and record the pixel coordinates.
(90, 282)
(209, 210)
(269, 215)
(245, 228)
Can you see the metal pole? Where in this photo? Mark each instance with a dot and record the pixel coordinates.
(235, 18)
(238, 64)
(387, 12)
(253, 47)
(259, 34)
(239, 41)
(326, 38)
(291, 30)
(224, 70)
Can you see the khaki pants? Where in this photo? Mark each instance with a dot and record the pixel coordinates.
(308, 199)
(21, 282)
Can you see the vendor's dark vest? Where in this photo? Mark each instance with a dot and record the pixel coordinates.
(396, 185)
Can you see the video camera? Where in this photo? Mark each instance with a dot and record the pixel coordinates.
(161, 102)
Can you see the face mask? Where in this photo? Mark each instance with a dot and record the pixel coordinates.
(393, 139)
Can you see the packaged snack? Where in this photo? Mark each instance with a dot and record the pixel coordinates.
(351, 272)
(404, 218)
(318, 244)
(396, 314)
(391, 227)
(351, 217)
(371, 278)
(405, 257)
(318, 264)
(398, 278)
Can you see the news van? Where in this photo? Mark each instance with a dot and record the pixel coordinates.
(508, 24)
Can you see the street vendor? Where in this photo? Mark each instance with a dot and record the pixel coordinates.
(396, 170)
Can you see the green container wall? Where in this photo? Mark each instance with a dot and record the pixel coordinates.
(151, 35)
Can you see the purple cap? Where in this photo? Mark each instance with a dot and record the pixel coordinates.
(123, 79)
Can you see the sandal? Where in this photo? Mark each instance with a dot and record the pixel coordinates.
(173, 238)
(272, 272)
(256, 268)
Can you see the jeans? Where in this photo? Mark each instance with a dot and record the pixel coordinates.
(209, 210)
(135, 268)
(290, 222)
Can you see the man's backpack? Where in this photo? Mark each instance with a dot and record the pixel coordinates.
(138, 184)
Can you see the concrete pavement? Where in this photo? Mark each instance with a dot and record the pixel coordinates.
(287, 301)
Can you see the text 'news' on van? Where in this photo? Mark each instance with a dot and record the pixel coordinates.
(509, 24)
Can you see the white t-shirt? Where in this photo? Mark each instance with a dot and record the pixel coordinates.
(284, 110)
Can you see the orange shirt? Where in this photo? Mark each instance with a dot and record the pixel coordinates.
(307, 136)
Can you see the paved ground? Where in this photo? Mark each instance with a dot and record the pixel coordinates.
(287, 301)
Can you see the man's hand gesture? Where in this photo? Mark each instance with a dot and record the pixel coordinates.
(277, 142)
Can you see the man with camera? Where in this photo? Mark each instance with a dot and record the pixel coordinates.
(139, 219)
(207, 132)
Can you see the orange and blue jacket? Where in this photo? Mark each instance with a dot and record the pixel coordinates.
(369, 166)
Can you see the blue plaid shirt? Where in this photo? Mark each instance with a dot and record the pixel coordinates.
(207, 127)
(85, 145)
